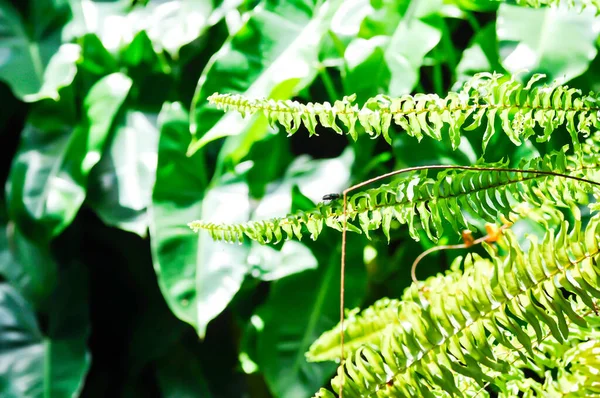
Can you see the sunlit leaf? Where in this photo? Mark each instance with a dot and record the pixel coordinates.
(41, 365)
(394, 38)
(197, 276)
(49, 174)
(121, 183)
(279, 58)
(33, 62)
(559, 42)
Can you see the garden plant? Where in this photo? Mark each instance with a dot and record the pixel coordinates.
(360, 198)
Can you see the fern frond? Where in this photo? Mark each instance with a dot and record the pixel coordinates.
(487, 190)
(580, 5)
(370, 325)
(362, 328)
(508, 301)
(580, 370)
(485, 99)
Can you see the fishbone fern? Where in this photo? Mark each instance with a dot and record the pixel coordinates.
(474, 330)
(519, 109)
(370, 325)
(488, 190)
(570, 3)
(499, 302)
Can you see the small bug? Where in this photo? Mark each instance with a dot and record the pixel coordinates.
(331, 196)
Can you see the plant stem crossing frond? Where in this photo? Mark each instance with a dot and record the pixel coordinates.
(484, 100)
(422, 202)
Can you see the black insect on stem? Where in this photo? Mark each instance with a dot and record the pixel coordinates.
(331, 196)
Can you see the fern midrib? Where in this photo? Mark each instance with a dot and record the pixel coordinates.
(485, 315)
(223, 101)
(353, 213)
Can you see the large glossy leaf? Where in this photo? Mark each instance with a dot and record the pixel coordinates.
(197, 276)
(28, 266)
(169, 24)
(49, 174)
(36, 365)
(120, 188)
(392, 43)
(177, 196)
(480, 56)
(31, 62)
(278, 48)
(559, 42)
(476, 5)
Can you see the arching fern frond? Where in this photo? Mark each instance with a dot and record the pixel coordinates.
(362, 328)
(485, 99)
(370, 325)
(508, 302)
(488, 190)
(581, 4)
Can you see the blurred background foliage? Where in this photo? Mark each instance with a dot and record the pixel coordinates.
(109, 149)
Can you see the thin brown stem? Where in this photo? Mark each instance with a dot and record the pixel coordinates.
(413, 268)
(342, 295)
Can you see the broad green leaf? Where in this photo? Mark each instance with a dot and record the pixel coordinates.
(120, 188)
(197, 276)
(347, 19)
(299, 308)
(269, 264)
(366, 57)
(169, 24)
(176, 198)
(96, 59)
(107, 20)
(174, 24)
(415, 35)
(475, 5)
(480, 56)
(32, 63)
(139, 54)
(28, 266)
(270, 158)
(313, 177)
(48, 178)
(279, 58)
(404, 34)
(221, 267)
(559, 42)
(53, 365)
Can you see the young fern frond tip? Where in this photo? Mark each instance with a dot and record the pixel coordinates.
(484, 100)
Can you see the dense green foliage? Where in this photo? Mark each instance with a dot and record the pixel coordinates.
(115, 139)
